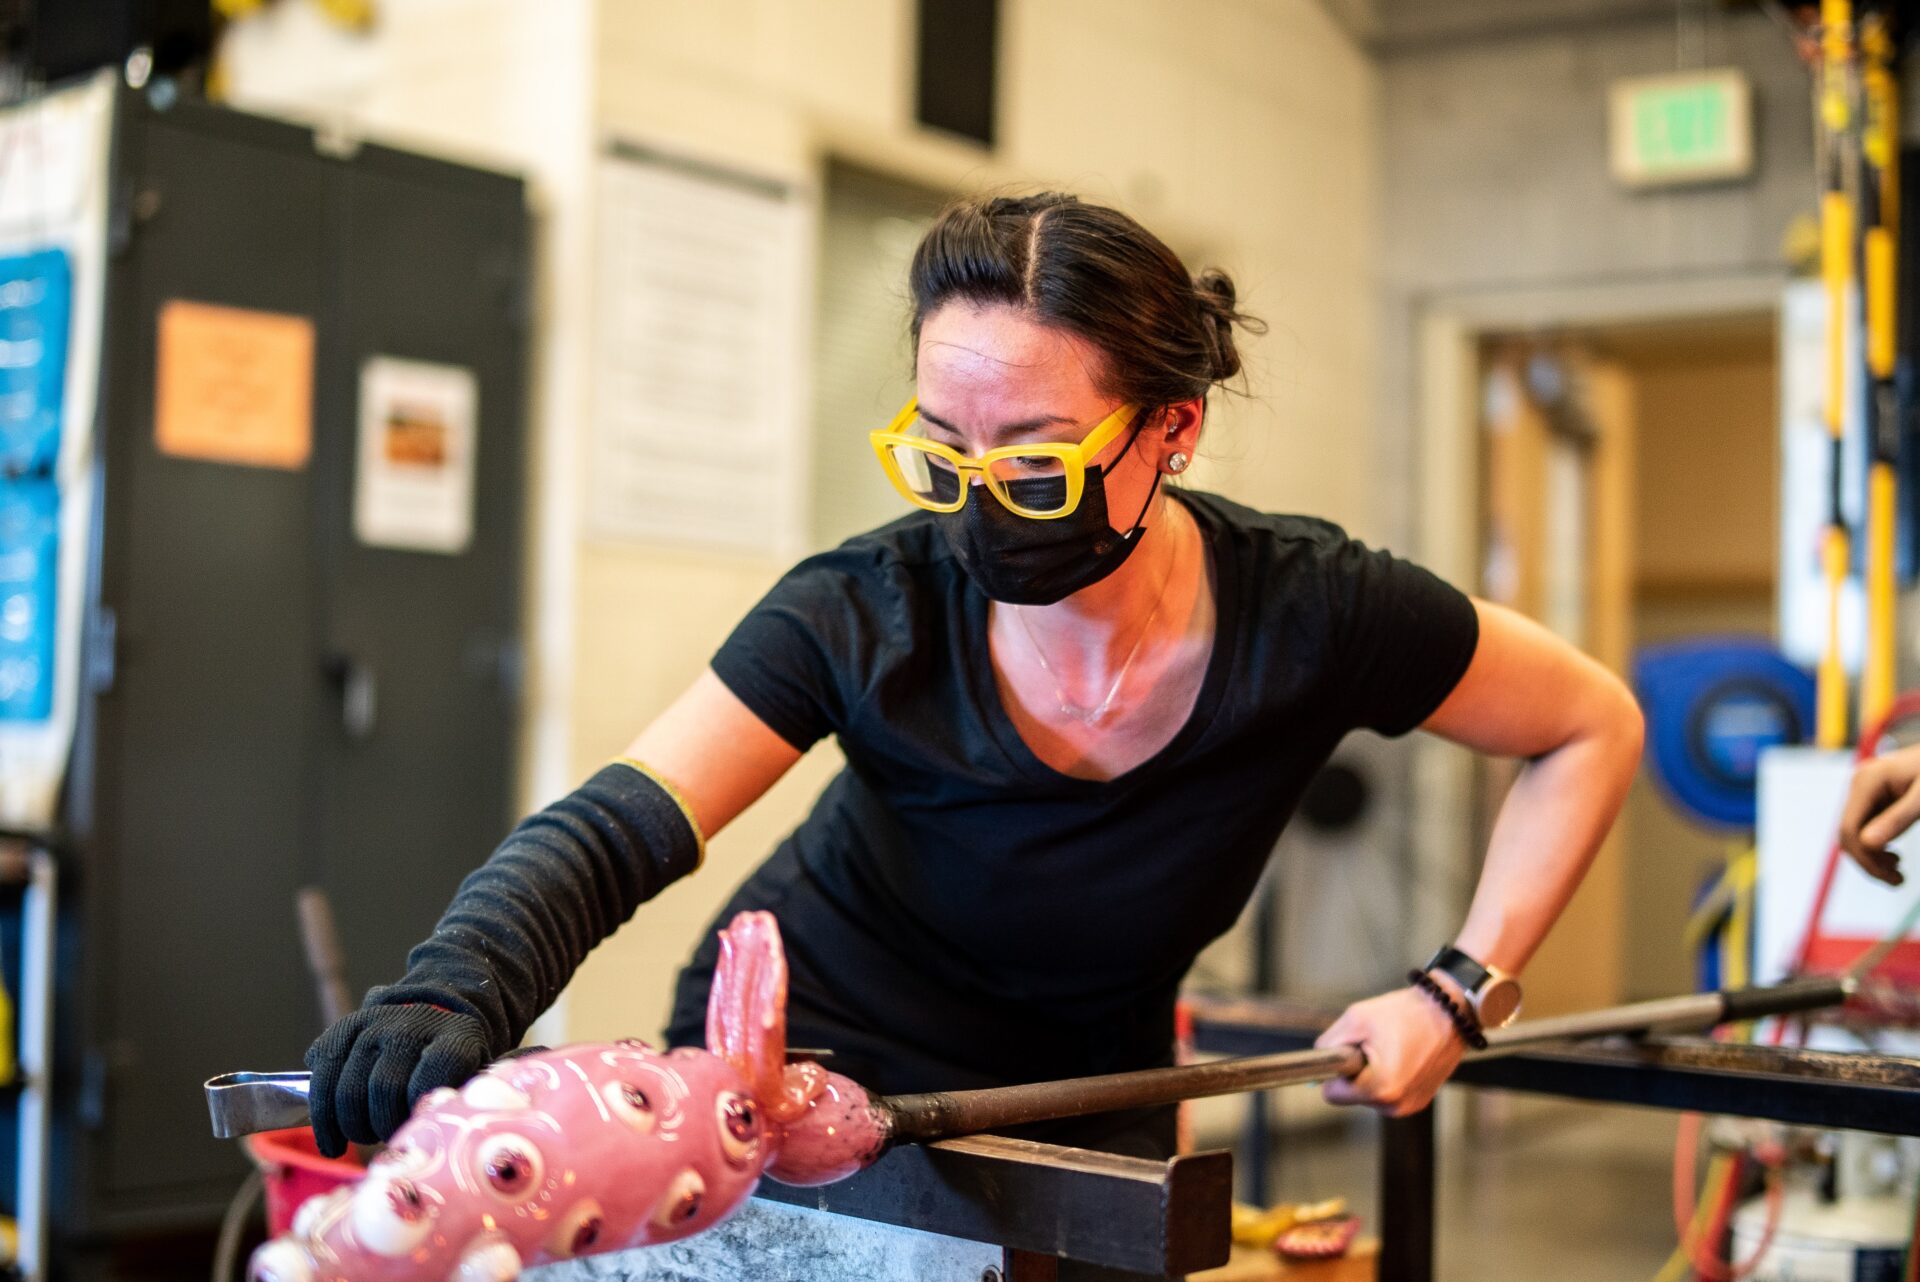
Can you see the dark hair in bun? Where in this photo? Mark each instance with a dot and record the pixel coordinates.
(1093, 271)
(1214, 289)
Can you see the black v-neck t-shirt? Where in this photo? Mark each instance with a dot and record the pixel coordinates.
(956, 911)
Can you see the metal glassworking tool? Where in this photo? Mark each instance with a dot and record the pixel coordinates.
(244, 1103)
(248, 1103)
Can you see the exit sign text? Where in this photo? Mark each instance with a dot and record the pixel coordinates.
(1690, 127)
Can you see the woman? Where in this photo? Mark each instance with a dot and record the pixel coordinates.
(1077, 707)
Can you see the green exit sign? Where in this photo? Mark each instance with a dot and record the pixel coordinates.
(1691, 127)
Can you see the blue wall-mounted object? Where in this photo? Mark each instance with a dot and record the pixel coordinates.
(1713, 704)
(29, 596)
(36, 305)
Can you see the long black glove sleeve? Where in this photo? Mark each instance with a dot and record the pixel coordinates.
(565, 879)
(517, 929)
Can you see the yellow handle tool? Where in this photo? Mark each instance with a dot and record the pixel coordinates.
(1836, 263)
(1880, 150)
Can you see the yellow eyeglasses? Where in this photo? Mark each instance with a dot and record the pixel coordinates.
(1040, 481)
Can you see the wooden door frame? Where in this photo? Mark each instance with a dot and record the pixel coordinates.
(1449, 329)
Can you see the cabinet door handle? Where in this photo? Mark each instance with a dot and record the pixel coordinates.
(359, 694)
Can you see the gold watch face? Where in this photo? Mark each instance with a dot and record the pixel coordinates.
(1499, 1002)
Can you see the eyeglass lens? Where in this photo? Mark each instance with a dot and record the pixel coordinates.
(1035, 483)
(1039, 493)
(928, 475)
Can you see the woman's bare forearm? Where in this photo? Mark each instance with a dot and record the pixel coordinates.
(1530, 695)
(1546, 836)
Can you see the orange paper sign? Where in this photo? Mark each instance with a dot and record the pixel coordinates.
(234, 385)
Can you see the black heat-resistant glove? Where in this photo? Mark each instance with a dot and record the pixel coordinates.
(371, 1067)
(515, 932)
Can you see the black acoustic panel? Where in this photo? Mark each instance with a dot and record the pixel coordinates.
(959, 44)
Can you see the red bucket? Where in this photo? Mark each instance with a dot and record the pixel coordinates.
(294, 1170)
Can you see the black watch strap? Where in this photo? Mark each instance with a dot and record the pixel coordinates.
(1470, 974)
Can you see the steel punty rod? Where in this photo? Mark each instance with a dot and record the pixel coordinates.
(939, 1114)
(947, 1113)
(1692, 1013)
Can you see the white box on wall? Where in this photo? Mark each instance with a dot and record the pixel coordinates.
(1802, 791)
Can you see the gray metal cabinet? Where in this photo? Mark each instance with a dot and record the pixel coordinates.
(271, 702)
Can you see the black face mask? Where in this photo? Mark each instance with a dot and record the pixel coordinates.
(1021, 561)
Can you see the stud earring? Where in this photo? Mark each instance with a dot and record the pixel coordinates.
(1176, 462)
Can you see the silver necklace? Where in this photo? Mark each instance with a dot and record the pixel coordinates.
(1096, 714)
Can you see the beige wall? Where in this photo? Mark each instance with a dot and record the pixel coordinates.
(1244, 131)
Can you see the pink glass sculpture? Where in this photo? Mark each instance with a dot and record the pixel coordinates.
(593, 1148)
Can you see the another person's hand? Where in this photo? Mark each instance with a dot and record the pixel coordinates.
(370, 1068)
(1411, 1048)
(1883, 803)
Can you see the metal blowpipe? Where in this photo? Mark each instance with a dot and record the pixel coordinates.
(941, 1114)
(245, 1103)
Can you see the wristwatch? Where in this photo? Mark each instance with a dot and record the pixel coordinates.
(1493, 993)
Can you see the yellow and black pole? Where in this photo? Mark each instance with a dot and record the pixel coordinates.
(1836, 269)
(1879, 220)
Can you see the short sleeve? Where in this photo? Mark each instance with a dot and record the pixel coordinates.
(791, 659)
(1403, 638)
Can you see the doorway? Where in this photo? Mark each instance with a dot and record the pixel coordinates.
(1628, 494)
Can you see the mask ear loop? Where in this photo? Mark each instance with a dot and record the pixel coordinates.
(1152, 490)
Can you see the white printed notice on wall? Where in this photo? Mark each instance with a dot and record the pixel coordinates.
(413, 477)
(699, 396)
